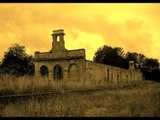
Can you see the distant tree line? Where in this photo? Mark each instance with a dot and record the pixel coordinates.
(17, 62)
(115, 56)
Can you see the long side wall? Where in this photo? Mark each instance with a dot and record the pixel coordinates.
(89, 71)
(101, 72)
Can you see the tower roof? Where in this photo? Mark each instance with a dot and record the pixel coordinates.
(60, 31)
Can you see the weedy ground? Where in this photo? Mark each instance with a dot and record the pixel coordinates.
(136, 101)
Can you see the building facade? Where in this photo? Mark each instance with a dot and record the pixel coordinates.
(71, 65)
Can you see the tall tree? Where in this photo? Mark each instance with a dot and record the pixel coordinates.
(16, 61)
(151, 64)
(151, 69)
(110, 56)
(116, 57)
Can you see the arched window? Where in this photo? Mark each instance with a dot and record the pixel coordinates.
(120, 76)
(111, 77)
(44, 70)
(73, 72)
(126, 78)
(130, 76)
(58, 74)
(117, 78)
(108, 75)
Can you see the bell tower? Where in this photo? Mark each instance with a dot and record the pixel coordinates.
(58, 43)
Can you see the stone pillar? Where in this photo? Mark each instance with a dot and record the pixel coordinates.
(65, 78)
(130, 76)
(50, 80)
(62, 37)
(36, 69)
(50, 74)
(37, 74)
(131, 65)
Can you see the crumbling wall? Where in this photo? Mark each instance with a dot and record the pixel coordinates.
(100, 72)
(80, 53)
(65, 65)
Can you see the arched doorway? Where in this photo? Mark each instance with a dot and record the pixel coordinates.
(58, 74)
(73, 72)
(44, 70)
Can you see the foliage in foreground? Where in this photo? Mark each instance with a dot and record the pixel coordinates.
(135, 102)
(10, 85)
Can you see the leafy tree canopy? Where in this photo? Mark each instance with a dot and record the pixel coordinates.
(117, 57)
(110, 56)
(16, 61)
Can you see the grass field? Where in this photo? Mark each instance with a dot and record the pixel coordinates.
(27, 84)
(143, 101)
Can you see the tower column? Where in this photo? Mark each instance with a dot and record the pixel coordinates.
(131, 65)
(58, 45)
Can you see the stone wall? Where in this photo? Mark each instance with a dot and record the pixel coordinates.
(101, 72)
(84, 70)
(68, 66)
(80, 53)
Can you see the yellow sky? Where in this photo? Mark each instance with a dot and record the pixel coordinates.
(134, 27)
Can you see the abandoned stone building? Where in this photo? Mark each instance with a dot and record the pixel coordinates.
(62, 64)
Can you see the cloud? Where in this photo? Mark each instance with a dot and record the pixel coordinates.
(133, 27)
